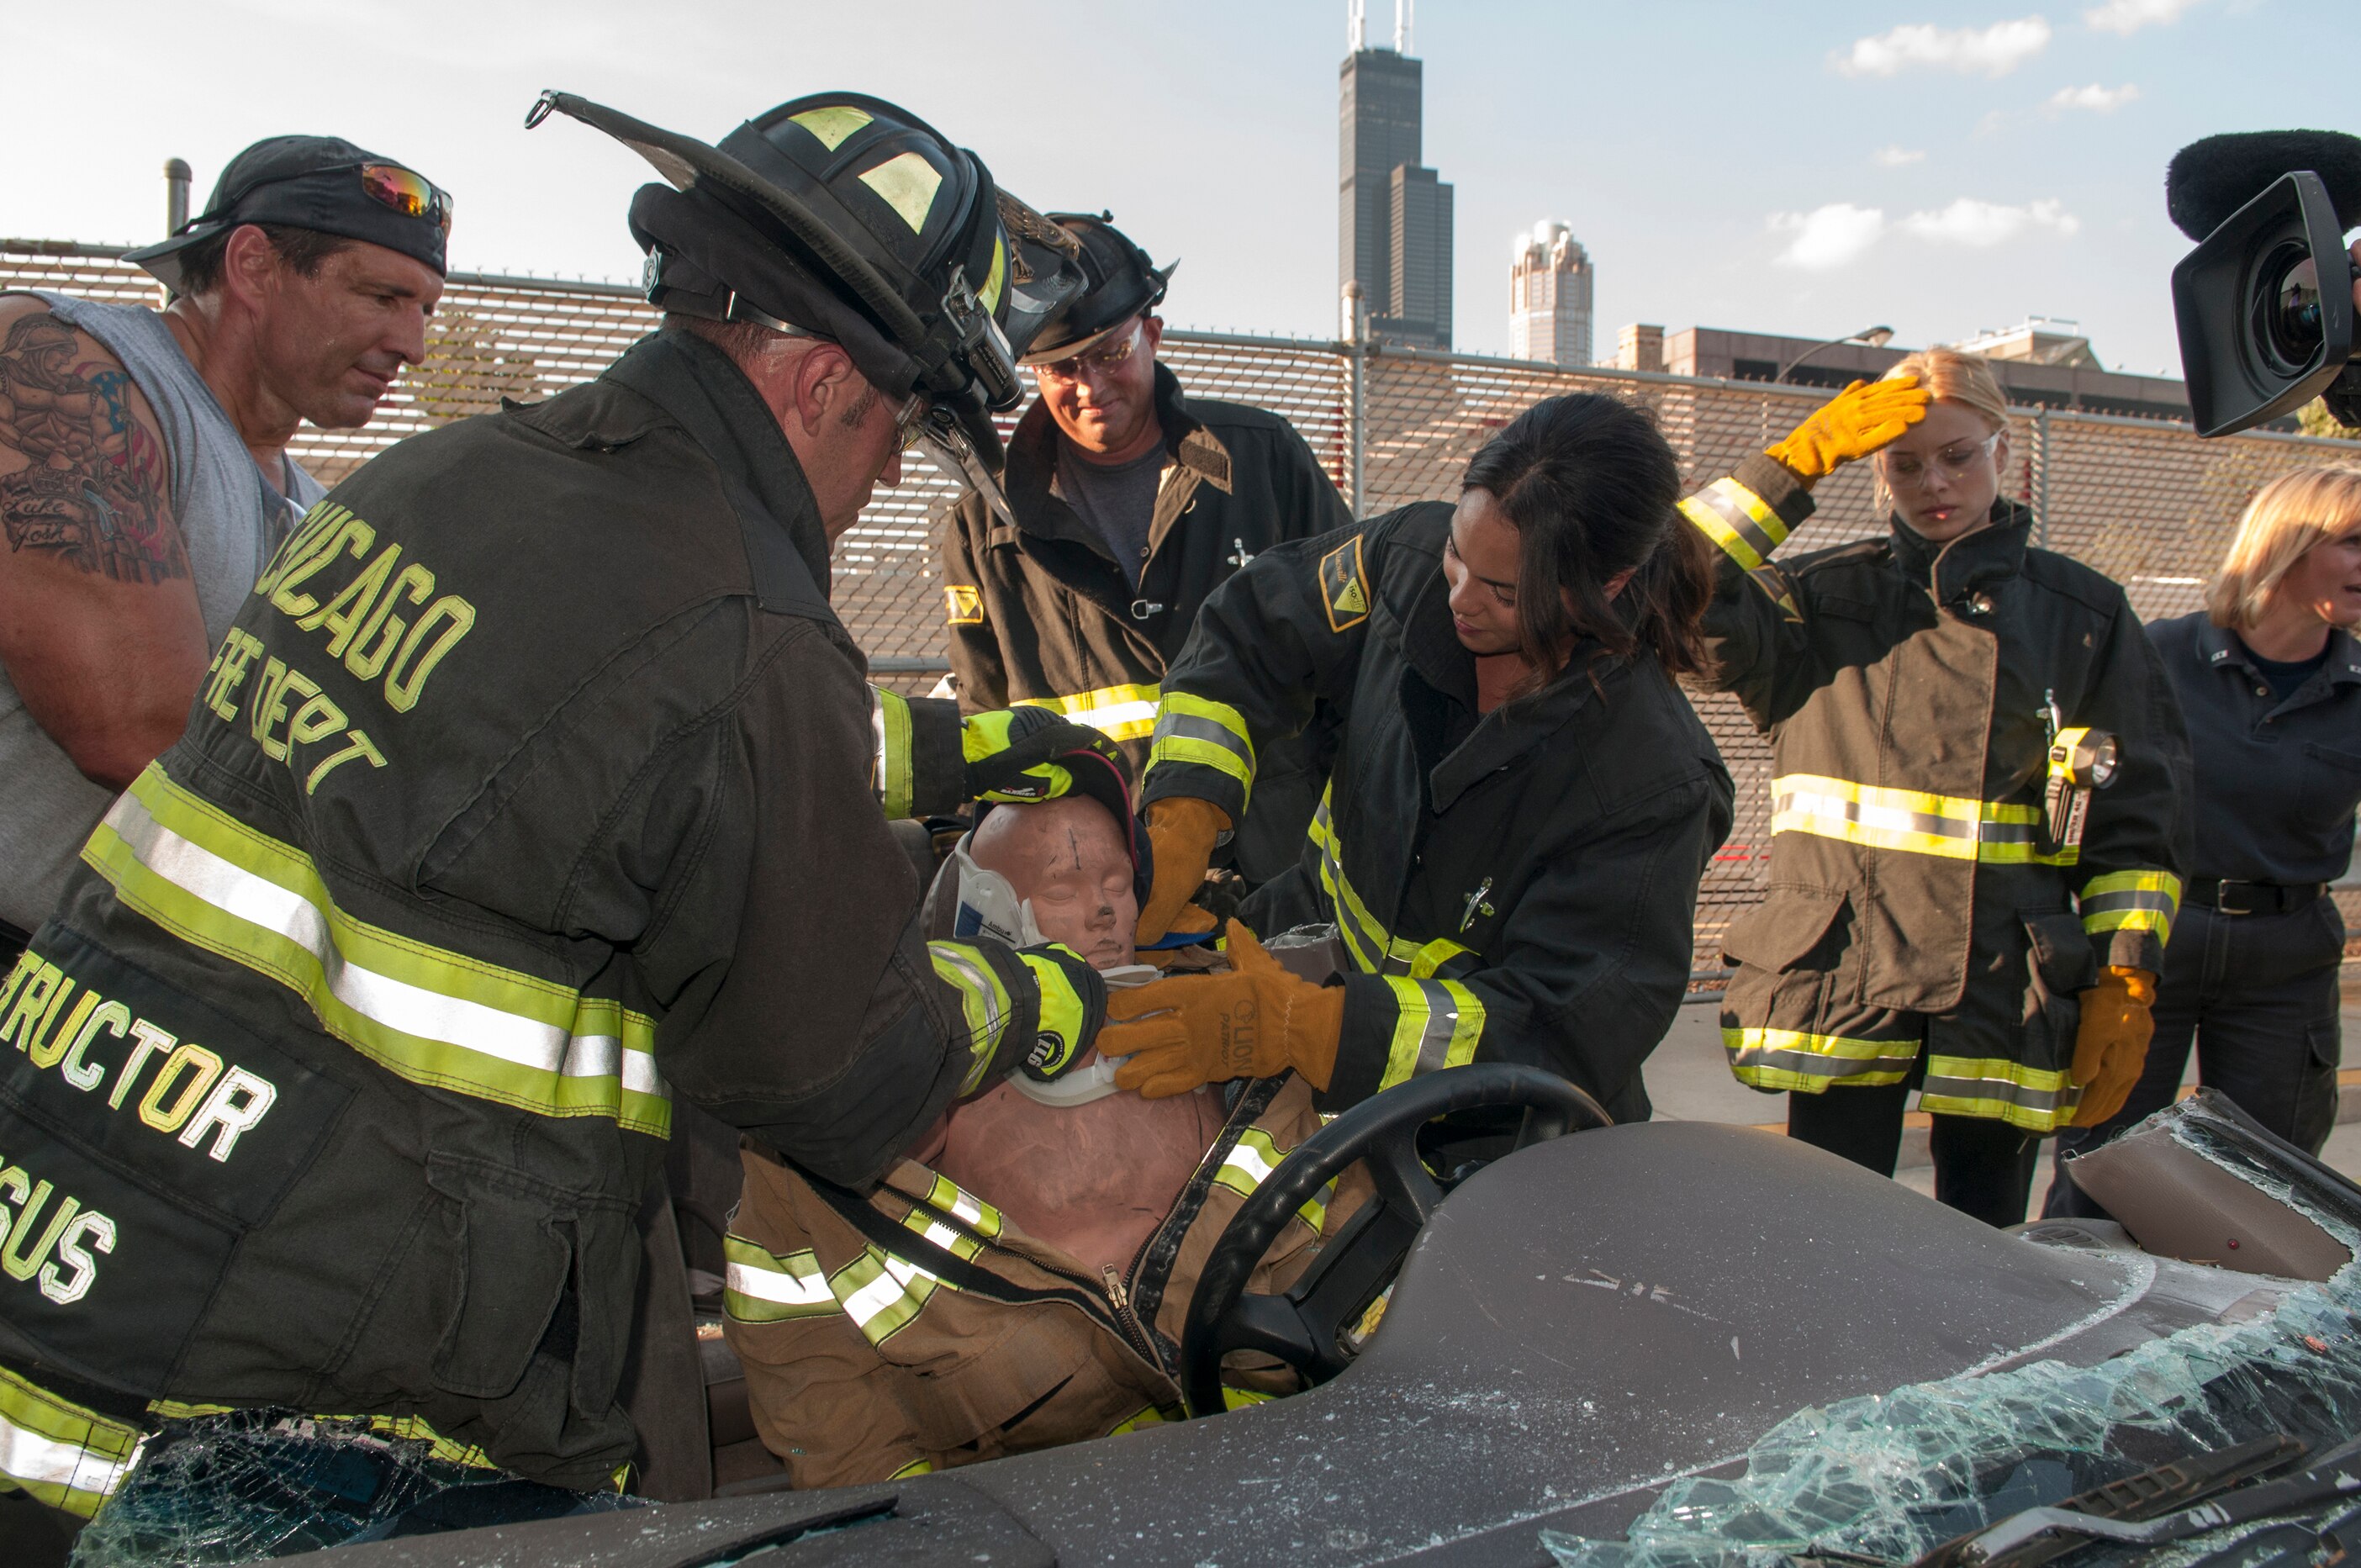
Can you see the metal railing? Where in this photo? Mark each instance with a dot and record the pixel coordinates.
(2144, 501)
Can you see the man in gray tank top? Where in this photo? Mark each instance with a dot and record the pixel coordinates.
(144, 475)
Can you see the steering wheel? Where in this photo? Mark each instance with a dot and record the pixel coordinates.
(1305, 1326)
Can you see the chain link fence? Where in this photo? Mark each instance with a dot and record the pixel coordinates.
(2145, 502)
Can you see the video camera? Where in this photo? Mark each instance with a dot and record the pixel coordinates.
(2265, 303)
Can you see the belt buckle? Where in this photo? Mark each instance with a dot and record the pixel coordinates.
(2222, 905)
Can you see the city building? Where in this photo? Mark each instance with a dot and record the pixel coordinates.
(1393, 214)
(2038, 365)
(1549, 297)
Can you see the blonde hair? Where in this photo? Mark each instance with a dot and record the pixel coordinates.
(2287, 518)
(1953, 378)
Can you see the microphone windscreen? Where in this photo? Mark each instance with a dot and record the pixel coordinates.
(2208, 181)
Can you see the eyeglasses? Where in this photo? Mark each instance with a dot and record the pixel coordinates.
(406, 191)
(1103, 359)
(910, 422)
(1908, 470)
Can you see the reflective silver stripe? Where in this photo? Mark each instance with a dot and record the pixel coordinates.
(1189, 727)
(396, 1004)
(1720, 497)
(26, 1455)
(785, 1287)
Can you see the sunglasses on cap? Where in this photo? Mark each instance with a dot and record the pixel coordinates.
(407, 191)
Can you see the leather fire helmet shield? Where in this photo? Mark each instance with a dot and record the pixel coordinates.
(847, 217)
(1121, 282)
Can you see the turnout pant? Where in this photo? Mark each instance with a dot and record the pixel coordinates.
(2258, 996)
(1983, 1167)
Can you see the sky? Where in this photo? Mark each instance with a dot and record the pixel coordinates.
(1803, 169)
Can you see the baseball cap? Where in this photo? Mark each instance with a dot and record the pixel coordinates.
(324, 183)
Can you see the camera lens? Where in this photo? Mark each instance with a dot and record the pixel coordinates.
(2287, 308)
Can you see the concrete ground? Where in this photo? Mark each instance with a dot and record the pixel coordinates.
(1688, 1079)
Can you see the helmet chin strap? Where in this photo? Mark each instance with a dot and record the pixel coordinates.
(943, 440)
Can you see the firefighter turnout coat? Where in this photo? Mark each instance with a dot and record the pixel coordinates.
(1041, 613)
(919, 1330)
(1516, 886)
(1911, 693)
(533, 787)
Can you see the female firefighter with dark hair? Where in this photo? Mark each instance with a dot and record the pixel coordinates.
(1523, 802)
(1977, 828)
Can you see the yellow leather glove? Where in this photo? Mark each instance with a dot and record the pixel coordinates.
(1194, 1029)
(1182, 830)
(1851, 425)
(2111, 1046)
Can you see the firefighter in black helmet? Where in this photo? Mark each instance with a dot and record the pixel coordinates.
(1128, 503)
(535, 786)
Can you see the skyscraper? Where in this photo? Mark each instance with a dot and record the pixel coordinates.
(1393, 214)
(1549, 297)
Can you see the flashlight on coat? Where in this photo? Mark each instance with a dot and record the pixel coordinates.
(2081, 762)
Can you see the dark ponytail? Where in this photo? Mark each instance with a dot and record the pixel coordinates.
(1590, 483)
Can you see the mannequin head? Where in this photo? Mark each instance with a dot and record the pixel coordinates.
(1069, 858)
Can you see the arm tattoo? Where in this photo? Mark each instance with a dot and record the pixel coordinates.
(96, 491)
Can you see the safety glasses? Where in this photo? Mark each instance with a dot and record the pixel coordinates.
(1908, 471)
(1101, 360)
(910, 422)
(407, 191)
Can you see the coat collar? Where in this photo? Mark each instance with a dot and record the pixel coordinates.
(709, 397)
(1973, 561)
(2221, 648)
(1510, 731)
(1033, 458)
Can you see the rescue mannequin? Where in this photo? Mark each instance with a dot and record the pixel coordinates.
(1092, 1177)
(1068, 1220)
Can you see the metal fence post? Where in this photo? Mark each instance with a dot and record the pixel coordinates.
(1356, 337)
(2042, 454)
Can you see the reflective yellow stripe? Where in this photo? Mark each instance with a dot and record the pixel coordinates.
(916, 1467)
(968, 1210)
(1437, 1025)
(1741, 523)
(433, 1016)
(63, 1455)
(983, 1000)
(893, 775)
(1190, 728)
(1119, 713)
(1995, 1087)
(1147, 1417)
(1910, 820)
(1249, 1163)
(2131, 901)
(1794, 1058)
(764, 1287)
(1239, 1398)
(1372, 947)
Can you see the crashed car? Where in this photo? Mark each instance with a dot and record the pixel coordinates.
(1670, 1343)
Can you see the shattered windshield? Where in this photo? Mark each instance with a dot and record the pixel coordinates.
(1891, 1477)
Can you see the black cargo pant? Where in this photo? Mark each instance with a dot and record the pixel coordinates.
(2258, 994)
(1983, 1167)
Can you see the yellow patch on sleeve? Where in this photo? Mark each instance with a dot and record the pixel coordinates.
(1344, 586)
(962, 604)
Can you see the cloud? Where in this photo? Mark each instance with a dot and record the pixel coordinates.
(2097, 99)
(1992, 51)
(2128, 16)
(1898, 157)
(1827, 237)
(1973, 222)
(1840, 234)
